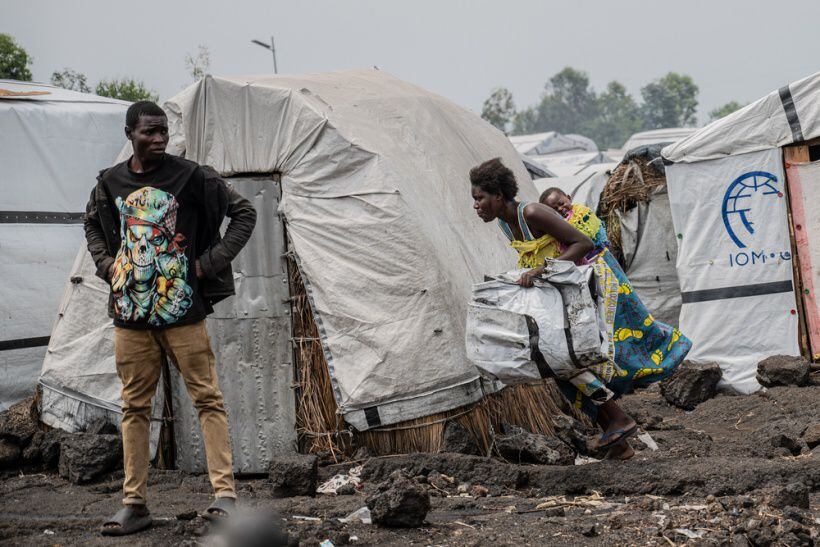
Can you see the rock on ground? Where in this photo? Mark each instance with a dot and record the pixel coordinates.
(795, 494)
(570, 431)
(295, 475)
(399, 501)
(44, 448)
(85, 458)
(19, 422)
(457, 439)
(9, 454)
(783, 370)
(101, 426)
(811, 436)
(520, 446)
(691, 384)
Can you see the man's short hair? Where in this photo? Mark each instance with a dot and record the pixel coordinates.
(141, 108)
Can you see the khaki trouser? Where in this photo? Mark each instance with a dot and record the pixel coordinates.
(138, 357)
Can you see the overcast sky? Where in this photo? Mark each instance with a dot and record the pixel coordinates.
(733, 49)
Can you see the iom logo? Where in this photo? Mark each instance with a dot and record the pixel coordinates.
(750, 191)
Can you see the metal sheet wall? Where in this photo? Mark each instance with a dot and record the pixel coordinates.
(250, 334)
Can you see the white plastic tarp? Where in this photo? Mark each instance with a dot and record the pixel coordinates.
(52, 144)
(789, 114)
(650, 252)
(734, 262)
(571, 330)
(79, 380)
(376, 197)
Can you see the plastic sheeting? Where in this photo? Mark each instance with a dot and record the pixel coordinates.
(572, 334)
(552, 142)
(650, 252)
(789, 114)
(376, 199)
(79, 380)
(250, 336)
(52, 145)
(734, 262)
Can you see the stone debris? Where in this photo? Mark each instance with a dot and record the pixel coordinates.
(294, 475)
(784, 440)
(570, 431)
(457, 439)
(44, 449)
(19, 423)
(9, 454)
(101, 426)
(85, 458)
(691, 384)
(795, 494)
(519, 446)
(399, 501)
(783, 370)
(811, 436)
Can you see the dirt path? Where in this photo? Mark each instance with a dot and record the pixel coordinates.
(729, 472)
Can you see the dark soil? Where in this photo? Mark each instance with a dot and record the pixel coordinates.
(724, 473)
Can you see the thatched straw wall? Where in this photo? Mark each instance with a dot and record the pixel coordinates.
(320, 429)
(631, 182)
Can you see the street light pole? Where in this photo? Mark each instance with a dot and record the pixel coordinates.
(272, 48)
(273, 51)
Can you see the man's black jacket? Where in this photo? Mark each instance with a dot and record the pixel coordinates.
(214, 252)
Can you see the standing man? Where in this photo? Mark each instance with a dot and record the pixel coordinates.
(152, 226)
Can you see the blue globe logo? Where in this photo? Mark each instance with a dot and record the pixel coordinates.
(739, 199)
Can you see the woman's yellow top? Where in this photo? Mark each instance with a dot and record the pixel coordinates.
(531, 251)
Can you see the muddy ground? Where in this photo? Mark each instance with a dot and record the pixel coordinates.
(735, 471)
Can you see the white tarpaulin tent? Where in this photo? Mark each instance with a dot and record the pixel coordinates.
(376, 201)
(52, 144)
(656, 136)
(563, 155)
(727, 189)
(584, 187)
(789, 114)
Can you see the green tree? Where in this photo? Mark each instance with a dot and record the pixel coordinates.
(618, 117)
(499, 108)
(14, 60)
(70, 79)
(525, 121)
(198, 66)
(568, 104)
(671, 101)
(126, 89)
(724, 110)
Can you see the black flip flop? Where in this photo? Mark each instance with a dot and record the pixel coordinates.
(614, 437)
(220, 509)
(128, 521)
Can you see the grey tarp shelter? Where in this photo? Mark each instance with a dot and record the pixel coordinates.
(375, 202)
(52, 143)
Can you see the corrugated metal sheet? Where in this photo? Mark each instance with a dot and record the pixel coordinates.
(250, 335)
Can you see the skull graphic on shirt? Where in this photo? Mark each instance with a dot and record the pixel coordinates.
(150, 271)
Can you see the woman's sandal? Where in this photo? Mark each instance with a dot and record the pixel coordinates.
(614, 437)
(126, 521)
(221, 508)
